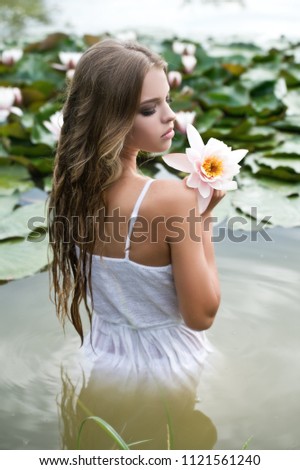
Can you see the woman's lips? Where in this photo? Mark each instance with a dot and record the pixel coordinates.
(169, 134)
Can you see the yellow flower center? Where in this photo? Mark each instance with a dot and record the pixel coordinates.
(212, 167)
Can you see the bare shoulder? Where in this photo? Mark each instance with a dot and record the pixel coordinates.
(173, 197)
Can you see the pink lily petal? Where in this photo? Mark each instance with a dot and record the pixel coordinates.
(194, 138)
(193, 180)
(193, 155)
(204, 202)
(215, 147)
(179, 161)
(16, 110)
(204, 189)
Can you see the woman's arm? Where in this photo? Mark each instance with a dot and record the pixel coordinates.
(193, 260)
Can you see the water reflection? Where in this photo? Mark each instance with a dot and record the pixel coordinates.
(144, 420)
(17, 14)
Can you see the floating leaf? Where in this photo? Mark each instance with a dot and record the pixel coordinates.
(289, 148)
(20, 258)
(262, 204)
(23, 220)
(14, 178)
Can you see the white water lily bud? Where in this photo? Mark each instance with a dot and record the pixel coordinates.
(182, 48)
(8, 97)
(189, 63)
(18, 95)
(54, 124)
(183, 118)
(69, 59)
(11, 56)
(174, 78)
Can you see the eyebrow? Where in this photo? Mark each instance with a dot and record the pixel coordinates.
(151, 100)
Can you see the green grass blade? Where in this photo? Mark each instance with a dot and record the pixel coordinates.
(107, 428)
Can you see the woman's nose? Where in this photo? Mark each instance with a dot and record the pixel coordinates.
(169, 114)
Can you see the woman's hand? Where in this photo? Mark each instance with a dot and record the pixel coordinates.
(216, 198)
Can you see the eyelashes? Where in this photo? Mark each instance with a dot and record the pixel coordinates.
(152, 110)
(147, 112)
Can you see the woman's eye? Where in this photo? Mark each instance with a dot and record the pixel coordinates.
(147, 112)
(169, 99)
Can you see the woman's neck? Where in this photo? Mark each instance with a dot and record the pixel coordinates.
(129, 157)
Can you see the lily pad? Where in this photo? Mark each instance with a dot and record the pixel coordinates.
(7, 203)
(20, 258)
(290, 148)
(23, 220)
(14, 178)
(268, 205)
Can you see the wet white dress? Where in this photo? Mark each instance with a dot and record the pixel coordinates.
(138, 335)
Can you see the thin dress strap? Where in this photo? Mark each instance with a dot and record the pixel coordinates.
(134, 215)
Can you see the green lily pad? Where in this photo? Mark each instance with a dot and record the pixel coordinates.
(289, 149)
(235, 98)
(23, 220)
(257, 76)
(208, 119)
(20, 258)
(14, 178)
(7, 203)
(13, 129)
(262, 203)
(291, 74)
(289, 123)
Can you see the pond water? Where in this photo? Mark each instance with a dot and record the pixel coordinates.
(252, 384)
(248, 19)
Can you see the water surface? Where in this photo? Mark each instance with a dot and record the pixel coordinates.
(252, 384)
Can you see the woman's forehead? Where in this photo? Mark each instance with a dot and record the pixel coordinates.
(155, 85)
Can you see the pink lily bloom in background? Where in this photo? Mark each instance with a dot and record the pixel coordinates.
(54, 124)
(174, 79)
(211, 166)
(8, 97)
(11, 56)
(189, 63)
(183, 48)
(183, 118)
(69, 60)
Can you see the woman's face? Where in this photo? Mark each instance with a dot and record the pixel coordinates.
(153, 125)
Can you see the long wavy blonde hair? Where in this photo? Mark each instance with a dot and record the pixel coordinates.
(102, 101)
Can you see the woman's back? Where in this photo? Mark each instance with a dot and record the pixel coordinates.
(148, 244)
(138, 332)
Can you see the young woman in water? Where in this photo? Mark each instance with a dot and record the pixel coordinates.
(124, 244)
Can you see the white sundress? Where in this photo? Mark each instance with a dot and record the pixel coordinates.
(138, 336)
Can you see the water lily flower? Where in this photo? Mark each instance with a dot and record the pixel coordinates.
(11, 56)
(69, 60)
(183, 48)
(8, 97)
(189, 63)
(54, 124)
(183, 118)
(174, 78)
(211, 166)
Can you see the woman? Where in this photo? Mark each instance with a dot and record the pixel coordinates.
(126, 245)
